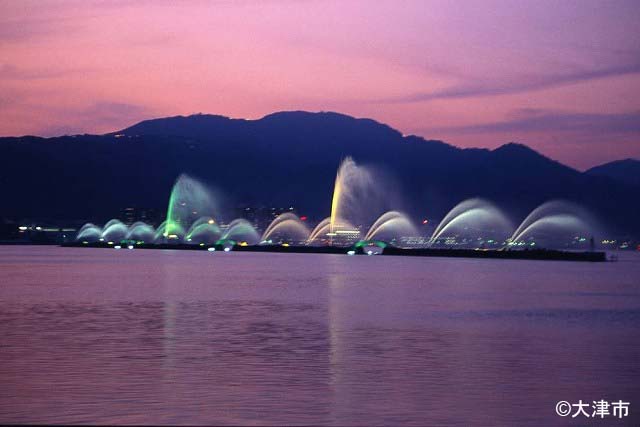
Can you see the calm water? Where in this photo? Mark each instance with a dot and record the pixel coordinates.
(175, 337)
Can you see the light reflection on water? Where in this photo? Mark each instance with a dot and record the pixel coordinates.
(126, 337)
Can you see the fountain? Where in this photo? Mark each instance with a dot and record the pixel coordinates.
(203, 230)
(554, 223)
(390, 226)
(89, 233)
(287, 227)
(141, 232)
(324, 232)
(159, 236)
(114, 231)
(357, 199)
(477, 220)
(322, 229)
(189, 200)
(356, 196)
(241, 230)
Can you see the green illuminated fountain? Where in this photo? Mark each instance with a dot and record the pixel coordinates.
(189, 200)
(359, 195)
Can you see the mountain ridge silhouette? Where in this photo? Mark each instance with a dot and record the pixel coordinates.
(287, 158)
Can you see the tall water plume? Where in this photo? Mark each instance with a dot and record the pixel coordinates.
(189, 201)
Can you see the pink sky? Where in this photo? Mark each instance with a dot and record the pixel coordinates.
(562, 77)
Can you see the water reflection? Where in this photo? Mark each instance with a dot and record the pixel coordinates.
(333, 340)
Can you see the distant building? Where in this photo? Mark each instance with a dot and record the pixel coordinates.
(150, 216)
(261, 217)
(40, 232)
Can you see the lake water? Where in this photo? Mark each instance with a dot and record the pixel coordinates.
(99, 336)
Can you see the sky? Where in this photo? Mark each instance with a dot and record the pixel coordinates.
(560, 76)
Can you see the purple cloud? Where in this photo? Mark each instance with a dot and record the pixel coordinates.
(480, 88)
(532, 120)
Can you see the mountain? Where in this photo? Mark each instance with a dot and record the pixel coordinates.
(283, 159)
(627, 170)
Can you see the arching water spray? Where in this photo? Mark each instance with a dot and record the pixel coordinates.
(241, 230)
(160, 234)
(89, 232)
(323, 229)
(390, 226)
(476, 213)
(556, 220)
(141, 231)
(203, 230)
(115, 231)
(288, 225)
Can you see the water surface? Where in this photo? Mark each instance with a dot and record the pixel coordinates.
(102, 336)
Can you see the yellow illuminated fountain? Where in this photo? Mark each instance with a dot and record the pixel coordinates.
(359, 197)
(352, 183)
